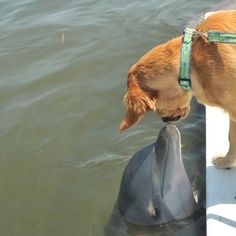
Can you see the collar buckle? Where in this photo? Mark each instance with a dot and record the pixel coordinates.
(185, 84)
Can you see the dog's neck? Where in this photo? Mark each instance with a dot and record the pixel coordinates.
(198, 89)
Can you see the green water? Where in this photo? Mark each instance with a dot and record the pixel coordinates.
(62, 81)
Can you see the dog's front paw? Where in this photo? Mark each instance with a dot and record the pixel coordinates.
(223, 162)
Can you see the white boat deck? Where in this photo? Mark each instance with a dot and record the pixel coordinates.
(220, 184)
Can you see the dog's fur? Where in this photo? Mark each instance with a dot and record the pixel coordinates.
(153, 80)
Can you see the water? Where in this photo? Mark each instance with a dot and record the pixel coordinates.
(62, 81)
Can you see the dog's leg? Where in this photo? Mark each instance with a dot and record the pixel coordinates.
(230, 159)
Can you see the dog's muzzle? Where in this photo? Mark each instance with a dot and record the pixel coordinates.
(170, 118)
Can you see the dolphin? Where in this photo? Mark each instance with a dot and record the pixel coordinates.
(155, 188)
(156, 196)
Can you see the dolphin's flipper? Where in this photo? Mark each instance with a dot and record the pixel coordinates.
(155, 188)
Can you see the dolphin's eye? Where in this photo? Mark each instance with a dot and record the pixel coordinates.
(156, 212)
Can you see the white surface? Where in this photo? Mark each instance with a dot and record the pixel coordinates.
(221, 184)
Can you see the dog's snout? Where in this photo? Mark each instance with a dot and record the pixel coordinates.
(170, 118)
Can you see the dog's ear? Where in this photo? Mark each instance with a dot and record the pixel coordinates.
(137, 102)
(130, 119)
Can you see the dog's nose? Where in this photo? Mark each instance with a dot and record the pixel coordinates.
(170, 118)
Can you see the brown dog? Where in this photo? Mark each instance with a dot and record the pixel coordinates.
(153, 80)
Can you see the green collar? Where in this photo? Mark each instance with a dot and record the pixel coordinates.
(185, 57)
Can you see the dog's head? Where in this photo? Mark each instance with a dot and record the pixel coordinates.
(153, 86)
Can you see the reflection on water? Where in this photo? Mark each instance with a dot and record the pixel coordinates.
(61, 156)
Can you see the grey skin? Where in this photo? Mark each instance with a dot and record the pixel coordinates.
(155, 188)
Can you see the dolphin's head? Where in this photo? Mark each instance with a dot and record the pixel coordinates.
(155, 188)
